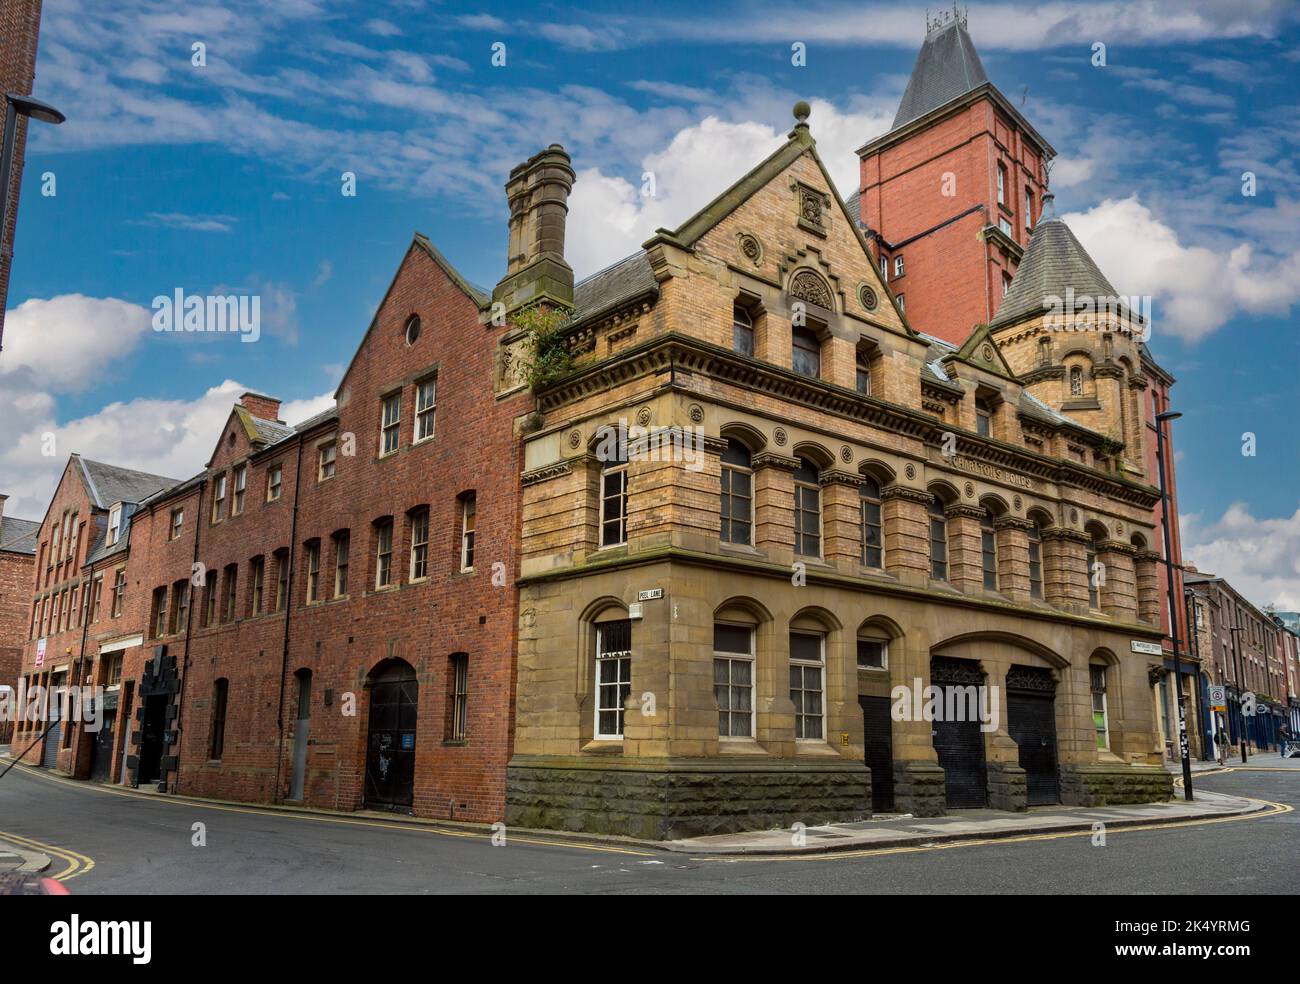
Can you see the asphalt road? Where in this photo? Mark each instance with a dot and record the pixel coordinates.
(118, 843)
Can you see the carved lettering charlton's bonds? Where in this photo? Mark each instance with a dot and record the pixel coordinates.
(985, 470)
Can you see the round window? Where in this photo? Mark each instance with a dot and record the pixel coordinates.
(868, 297)
(413, 329)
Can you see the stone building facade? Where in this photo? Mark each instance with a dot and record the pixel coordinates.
(828, 506)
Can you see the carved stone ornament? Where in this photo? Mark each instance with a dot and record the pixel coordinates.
(910, 471)
(697, 413)
(868, 298)
(751, 248)
(779, 435)
(846, 454)
(575, 439)
(807, 286)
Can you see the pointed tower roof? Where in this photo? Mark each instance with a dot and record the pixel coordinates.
(1054, 263)
(947, 67)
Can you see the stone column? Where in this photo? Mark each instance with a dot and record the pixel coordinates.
(841, 519)
(906, 533)
(965, 553)
(1146, 567)
(1006, 779)
(1065, 568)
(1013, 556)
(774, 505)
(1119, 592)
(918, 778)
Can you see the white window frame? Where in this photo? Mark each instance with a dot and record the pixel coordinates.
(313, 572)
(114, 524)
(342, 551)
(617, 472)
(419, 547)
(729, 658)
(178, 522)
(1002, 184)
(383, 555)
(468, 531)
(327, 457)
(391, 425)
(426, 412)
(1105, 706)
(623, 659)
(274, 482)
(900, 267)
(884, 653)
(821, 667)
(237, 492)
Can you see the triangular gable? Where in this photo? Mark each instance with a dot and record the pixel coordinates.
(981, 351)
(799, 143)
(421, 242)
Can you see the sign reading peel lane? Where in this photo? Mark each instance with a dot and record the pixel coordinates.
(101, 938)
(653, 594)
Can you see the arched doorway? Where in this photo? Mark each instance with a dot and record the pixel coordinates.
(390, 745)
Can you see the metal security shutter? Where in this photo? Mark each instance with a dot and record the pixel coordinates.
(50, 752)
(960, 744)
(1031, 722)
(879, 751)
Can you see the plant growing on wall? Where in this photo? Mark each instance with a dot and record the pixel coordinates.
(548, 357)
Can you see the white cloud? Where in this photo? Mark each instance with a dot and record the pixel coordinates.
(65, 343)
(192, 223)
(1195, 289)
(1259, 557)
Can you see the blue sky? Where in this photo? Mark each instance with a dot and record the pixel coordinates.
(226, 176)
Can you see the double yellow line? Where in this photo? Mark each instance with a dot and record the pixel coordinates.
(77, 863)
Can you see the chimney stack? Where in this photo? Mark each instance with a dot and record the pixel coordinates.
(262, 407)
(538, 193)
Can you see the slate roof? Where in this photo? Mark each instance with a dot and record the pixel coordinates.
(1054, 262)
(270, 431)
(608, 288)
(18, 535)
(109, 483)
(947, 67)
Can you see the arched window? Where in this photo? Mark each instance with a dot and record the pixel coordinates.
(1097, 684)
(613, 676)
(1076, 381)
(873, 541)
(733, 679)
(742, 330)
(938, 540)
(806, 352)
(989, 551)
(613, 499)
(807, 510)
(737, 494)
(1036, 560)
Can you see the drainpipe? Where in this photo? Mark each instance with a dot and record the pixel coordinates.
(189, 621)
(288, 612)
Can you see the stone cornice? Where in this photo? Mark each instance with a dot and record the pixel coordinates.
(715, 445)
(545, 473)
(1041, 373)
(1116, 546)
(1107, 370)
(675, 358)
(920, 496)
(770, 459)
(961, 510)
(837, 476)
(1063, 533)
(1147, 556)
(1013, 523)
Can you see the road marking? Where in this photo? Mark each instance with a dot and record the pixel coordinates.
(1274, 809)
(183, 801)
(77, 863)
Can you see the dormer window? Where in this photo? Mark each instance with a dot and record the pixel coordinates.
(806, 352)
(114, 524)
(983, 417)
(742, 331)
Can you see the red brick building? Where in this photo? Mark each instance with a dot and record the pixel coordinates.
(17, 570)
(84, 619)
(950, 199)
(20, 26)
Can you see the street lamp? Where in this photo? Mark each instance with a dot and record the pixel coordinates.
(16, 105)
(1184, 749)
(1233, 630)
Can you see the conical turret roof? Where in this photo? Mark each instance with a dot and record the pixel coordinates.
(947, 67)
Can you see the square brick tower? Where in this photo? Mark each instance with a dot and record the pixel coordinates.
(948, 197)
(20, 23)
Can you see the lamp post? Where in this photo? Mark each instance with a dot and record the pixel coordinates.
(16, 105)
(1183, 749)
(1241, 680)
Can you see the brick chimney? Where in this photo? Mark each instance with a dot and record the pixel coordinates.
(262, 407)
(3, 499)
(538, 193)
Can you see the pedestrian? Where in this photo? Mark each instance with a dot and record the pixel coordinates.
(1283, 738)
(1221, 740)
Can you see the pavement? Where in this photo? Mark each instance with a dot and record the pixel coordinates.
(21, 858)
(906, 830)
(106, 840)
